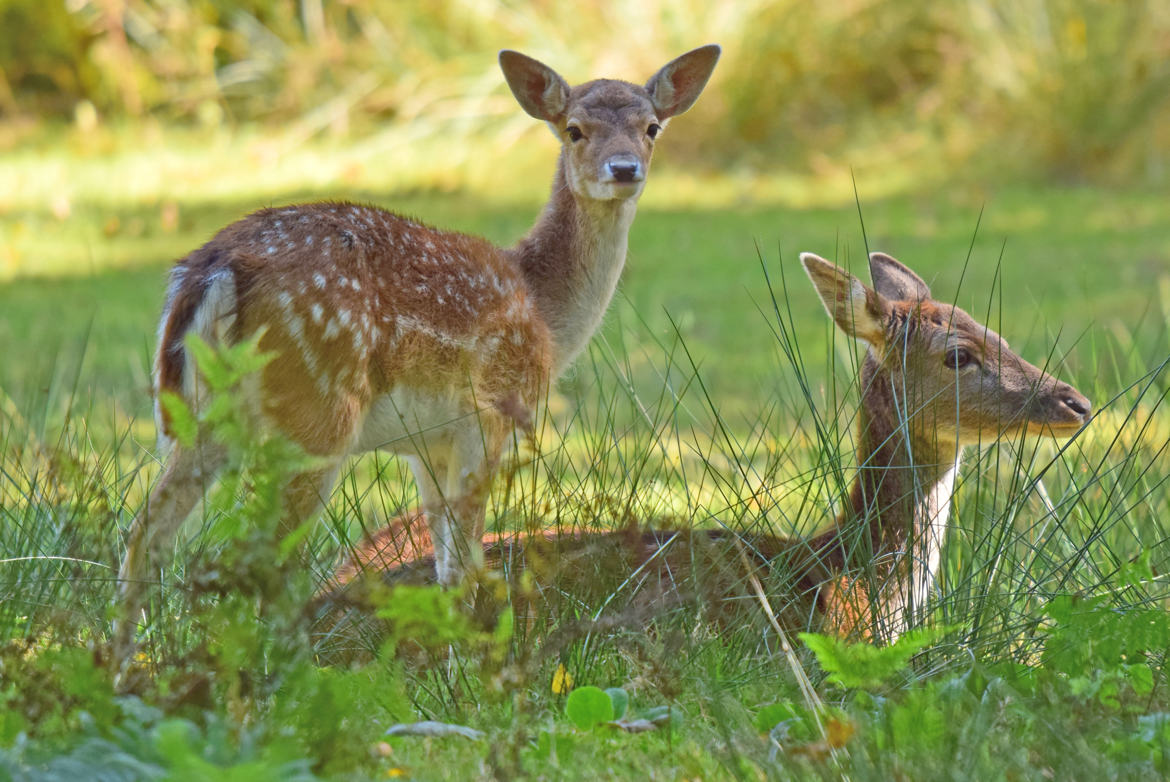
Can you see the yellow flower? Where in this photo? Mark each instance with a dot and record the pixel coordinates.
(562, 680)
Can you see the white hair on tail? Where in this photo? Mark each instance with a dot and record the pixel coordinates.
(213, 320)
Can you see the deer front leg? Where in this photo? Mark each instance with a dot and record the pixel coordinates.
(866, 607)
(456, 510)
(846, 607)
(428, 473)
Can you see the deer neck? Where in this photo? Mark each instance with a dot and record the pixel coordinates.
(572, 260)
(901, 498)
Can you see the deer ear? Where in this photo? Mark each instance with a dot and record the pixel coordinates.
(894, 280)
(676, 87)
(538, 88)
(858, 310)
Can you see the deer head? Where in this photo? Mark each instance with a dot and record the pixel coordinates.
(607, 128)
(958, 381)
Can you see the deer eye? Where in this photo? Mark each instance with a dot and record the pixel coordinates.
(958, 358)
(653, 130)
(574, 133)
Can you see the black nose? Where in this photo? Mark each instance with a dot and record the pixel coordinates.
(1078, 404)
(625, 170)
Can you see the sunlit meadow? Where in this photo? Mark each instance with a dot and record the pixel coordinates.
(1012, 153)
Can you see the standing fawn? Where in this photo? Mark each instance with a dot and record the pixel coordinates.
(390, 334)
(933, 382)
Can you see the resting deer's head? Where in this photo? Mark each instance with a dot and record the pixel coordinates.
(953, 376)
(607, 128)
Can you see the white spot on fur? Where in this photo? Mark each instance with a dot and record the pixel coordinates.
(296, 328)
(319, 280)
(317, 311)
(410, 323)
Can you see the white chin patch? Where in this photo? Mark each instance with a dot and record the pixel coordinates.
(615, 191)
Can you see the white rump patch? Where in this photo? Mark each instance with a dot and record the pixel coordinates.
(213, 320)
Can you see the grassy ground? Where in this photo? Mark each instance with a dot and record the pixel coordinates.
(688, 407)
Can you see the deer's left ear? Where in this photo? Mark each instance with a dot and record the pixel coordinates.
(894, 280)
(676, 87)
(857, 309)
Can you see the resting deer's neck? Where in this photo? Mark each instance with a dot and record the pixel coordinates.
(572, 260)
(901, 499)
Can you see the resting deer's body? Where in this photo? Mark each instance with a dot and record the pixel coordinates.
(933, 382)
(390, 334)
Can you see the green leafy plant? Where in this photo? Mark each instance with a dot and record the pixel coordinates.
(589, 706)
(620, 700)
(1104, 652)
(865, 665)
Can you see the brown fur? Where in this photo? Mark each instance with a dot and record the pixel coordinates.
(403, 314)
(867, 575)
(388, 333)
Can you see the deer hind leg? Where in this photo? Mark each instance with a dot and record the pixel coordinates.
(152, 534)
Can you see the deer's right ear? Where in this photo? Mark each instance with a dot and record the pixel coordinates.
(538, 88)
(857, 309)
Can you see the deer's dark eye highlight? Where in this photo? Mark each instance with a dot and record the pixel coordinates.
(653, 130)
(574, 133)
(958, 358)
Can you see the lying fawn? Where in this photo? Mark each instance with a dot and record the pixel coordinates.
(390, 334)
(933, 381)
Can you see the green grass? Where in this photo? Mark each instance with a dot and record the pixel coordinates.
(1076, 262)
(687, 408)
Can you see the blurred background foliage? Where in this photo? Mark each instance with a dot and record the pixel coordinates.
(1045, 89)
